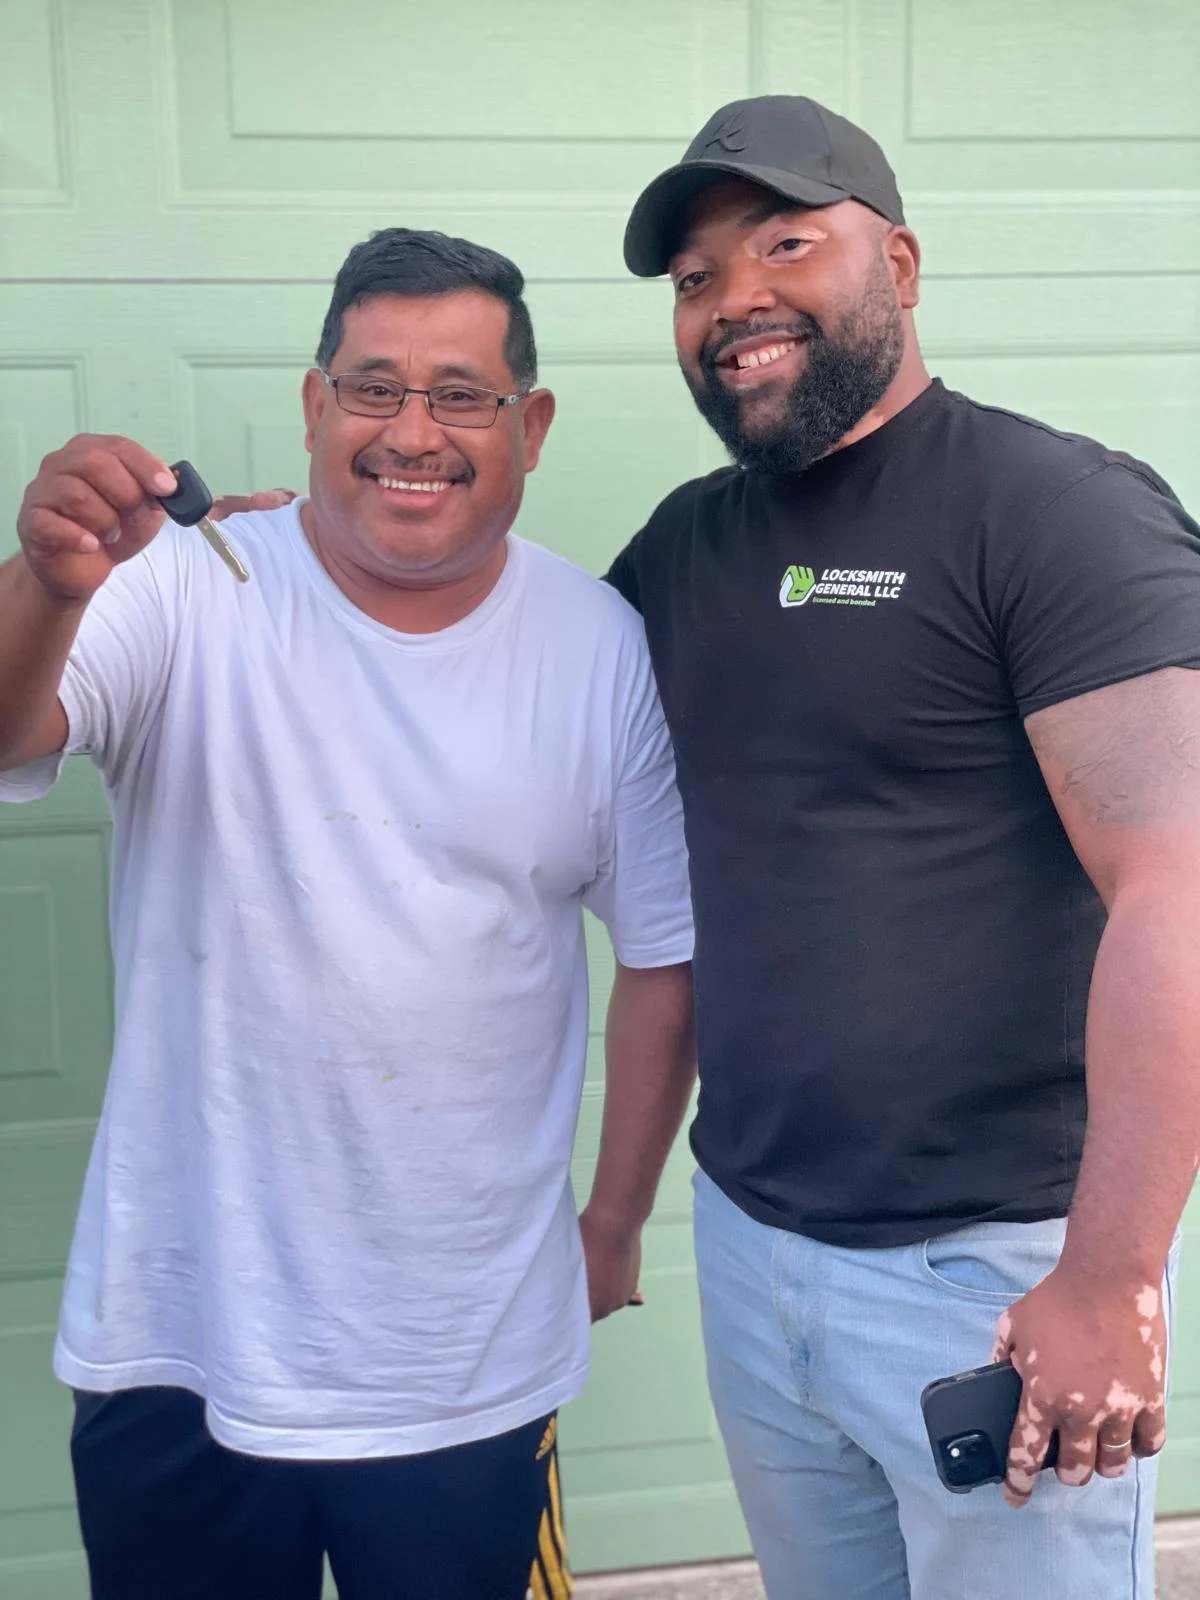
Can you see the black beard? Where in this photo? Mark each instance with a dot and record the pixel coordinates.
(846, 372)
(371, 463)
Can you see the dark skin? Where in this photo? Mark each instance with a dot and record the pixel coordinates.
(1123, 768)
(1122, 765)
(746, 262)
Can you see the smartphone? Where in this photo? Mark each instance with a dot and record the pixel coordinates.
(970, 1419)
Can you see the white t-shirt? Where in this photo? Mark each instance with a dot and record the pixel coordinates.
(330, 1187)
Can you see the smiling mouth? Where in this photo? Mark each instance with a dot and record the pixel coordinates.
(420, 485)
(765, 356)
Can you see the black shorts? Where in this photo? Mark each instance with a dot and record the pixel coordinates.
(167, 1513)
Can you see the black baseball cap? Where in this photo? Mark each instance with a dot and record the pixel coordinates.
(786, 142)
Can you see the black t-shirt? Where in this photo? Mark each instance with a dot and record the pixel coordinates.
(894, 938)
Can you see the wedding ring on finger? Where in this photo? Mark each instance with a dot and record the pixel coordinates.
(1123, 1445)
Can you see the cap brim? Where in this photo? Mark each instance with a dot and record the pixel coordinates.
(655, 223)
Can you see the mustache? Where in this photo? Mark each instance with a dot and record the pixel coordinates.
(802, 327)
(389, 464)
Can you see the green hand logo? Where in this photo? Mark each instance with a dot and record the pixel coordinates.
(796, 586)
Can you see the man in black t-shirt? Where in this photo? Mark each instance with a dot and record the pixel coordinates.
(928, 667)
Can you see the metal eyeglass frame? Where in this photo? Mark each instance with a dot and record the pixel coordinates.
(501, 400)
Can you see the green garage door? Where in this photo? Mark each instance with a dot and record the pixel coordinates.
(178, 183)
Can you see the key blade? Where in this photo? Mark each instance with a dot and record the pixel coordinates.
(224, 549)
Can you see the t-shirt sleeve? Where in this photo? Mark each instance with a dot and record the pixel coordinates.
(1106, 587)
(642, 893)
(623, 574)
(116, 673)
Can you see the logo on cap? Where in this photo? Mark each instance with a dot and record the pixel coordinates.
(731, 135)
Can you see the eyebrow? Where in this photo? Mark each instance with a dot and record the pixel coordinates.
(467, 373)
(774, 206)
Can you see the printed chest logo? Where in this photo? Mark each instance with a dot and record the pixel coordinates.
(839, 586)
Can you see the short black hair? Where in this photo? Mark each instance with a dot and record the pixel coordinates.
(410, 261)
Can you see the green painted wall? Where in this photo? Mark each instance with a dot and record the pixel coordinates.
(179, 182)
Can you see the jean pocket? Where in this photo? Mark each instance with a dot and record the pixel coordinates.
(993, 1263)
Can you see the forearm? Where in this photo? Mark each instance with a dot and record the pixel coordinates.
(1143, 1078)
(650, 1069)
(36, 634)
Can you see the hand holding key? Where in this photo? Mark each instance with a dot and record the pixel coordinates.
(100, 500)
(189, 507)
(93, 504)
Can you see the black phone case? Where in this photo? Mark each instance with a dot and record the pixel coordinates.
(983, 1401)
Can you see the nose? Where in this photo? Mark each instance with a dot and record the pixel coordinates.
(744, 289)
(412, 431)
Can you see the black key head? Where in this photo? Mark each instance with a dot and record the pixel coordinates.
(191, 499)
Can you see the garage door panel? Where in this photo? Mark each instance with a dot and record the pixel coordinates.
(55, 978)
(41, 404)
(39, 1538)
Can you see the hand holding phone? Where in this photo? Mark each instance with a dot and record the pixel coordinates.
(970, 1418)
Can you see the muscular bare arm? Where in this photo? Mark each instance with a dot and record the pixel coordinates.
(1123, 767)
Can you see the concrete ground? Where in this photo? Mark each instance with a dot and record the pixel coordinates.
(1178, 1574)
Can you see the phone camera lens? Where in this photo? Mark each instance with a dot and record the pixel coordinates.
(968, 1459)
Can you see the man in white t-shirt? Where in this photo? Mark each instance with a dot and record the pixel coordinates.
(327, 1289)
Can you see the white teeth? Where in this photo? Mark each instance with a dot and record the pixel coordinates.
(426, 487)
(762, 358)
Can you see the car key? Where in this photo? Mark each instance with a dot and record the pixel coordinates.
(189, 507)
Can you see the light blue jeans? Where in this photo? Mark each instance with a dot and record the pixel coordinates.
(817, 1357)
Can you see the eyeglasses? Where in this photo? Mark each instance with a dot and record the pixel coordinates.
(454, 405)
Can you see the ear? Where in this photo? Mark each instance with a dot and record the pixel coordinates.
(903, 256)
(537, 414)
(316, 395)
